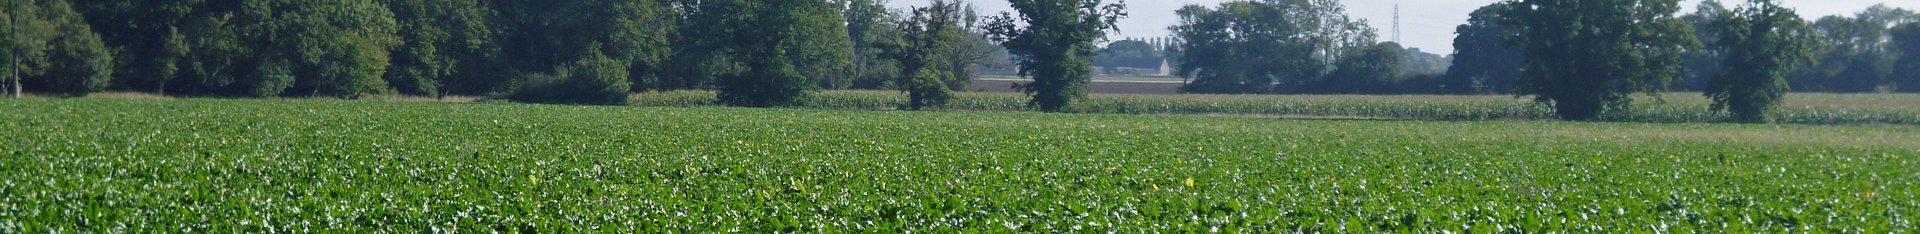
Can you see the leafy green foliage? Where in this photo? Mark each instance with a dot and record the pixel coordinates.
(1129, 53)
(872, 27)
(1700, 65)
(448, 47)
(1414, 62)
(255, 48)
(1906, 41)
(80, 62)
(149, 38)
(1265, 46)
(770, 53)
(545, 34)
(360, 167)
(49, 48)
(1055, 46)
(930, 33)
(973, 51)
(1762, 42)
(1483, 60)
(1372, 69)
(594, 79)
(1854, 55)
(341, 47)
(1588, 57)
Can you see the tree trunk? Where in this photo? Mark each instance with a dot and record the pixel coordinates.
(13, 51)
(14, 57)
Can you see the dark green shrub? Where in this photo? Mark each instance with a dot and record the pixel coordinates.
(595, 79)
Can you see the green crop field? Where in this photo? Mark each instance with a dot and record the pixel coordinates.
(94, 165)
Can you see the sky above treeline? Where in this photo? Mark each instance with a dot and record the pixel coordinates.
(1424, 24)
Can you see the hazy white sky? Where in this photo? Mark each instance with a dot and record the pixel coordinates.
(1425, 24)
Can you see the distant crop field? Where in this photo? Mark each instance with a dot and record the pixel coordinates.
(1800, 108)
(191, 165)
(1100, 85)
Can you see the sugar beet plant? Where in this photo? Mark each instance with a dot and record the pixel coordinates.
(84, 165)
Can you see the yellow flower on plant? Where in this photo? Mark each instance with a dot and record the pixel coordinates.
(1189, 182)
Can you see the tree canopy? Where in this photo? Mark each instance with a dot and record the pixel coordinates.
(1906, 41)
(1762, 42)
(1584, 57)
(1587, 57)
(930, 33)
(1055, 45)
(1129, 53)
(1256, 46)
(1484, 61)
(50, 47)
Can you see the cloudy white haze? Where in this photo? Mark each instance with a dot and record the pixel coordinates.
(1425, 24)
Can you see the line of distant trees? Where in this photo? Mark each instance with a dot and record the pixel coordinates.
(1291, 46)
(1582, 57)
(1300, 46)
(771, 53)
(1851, 54)
(539, 50)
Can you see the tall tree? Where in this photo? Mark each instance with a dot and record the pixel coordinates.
(1211, 54)
(338, 48)
(771, 48)
(1250, 46)
(1701, 64)
(870, 26)
(152, 40)
(1056, 45)
(1906, 42)
(254, 48)
(1587, 57)
(50, 48)
(966, 57)
(1762, 41)
(448, 47)
(1483, 61)
(26, 39)
(541, 35)
(1853, 55)
(930, 33)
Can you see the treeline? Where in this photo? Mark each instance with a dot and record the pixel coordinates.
(1294, 46)
(571, 51)
(1864, 52)
(771, 53)
(1299, 46)
(1585, 58)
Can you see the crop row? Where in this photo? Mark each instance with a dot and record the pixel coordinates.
(253, 166)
